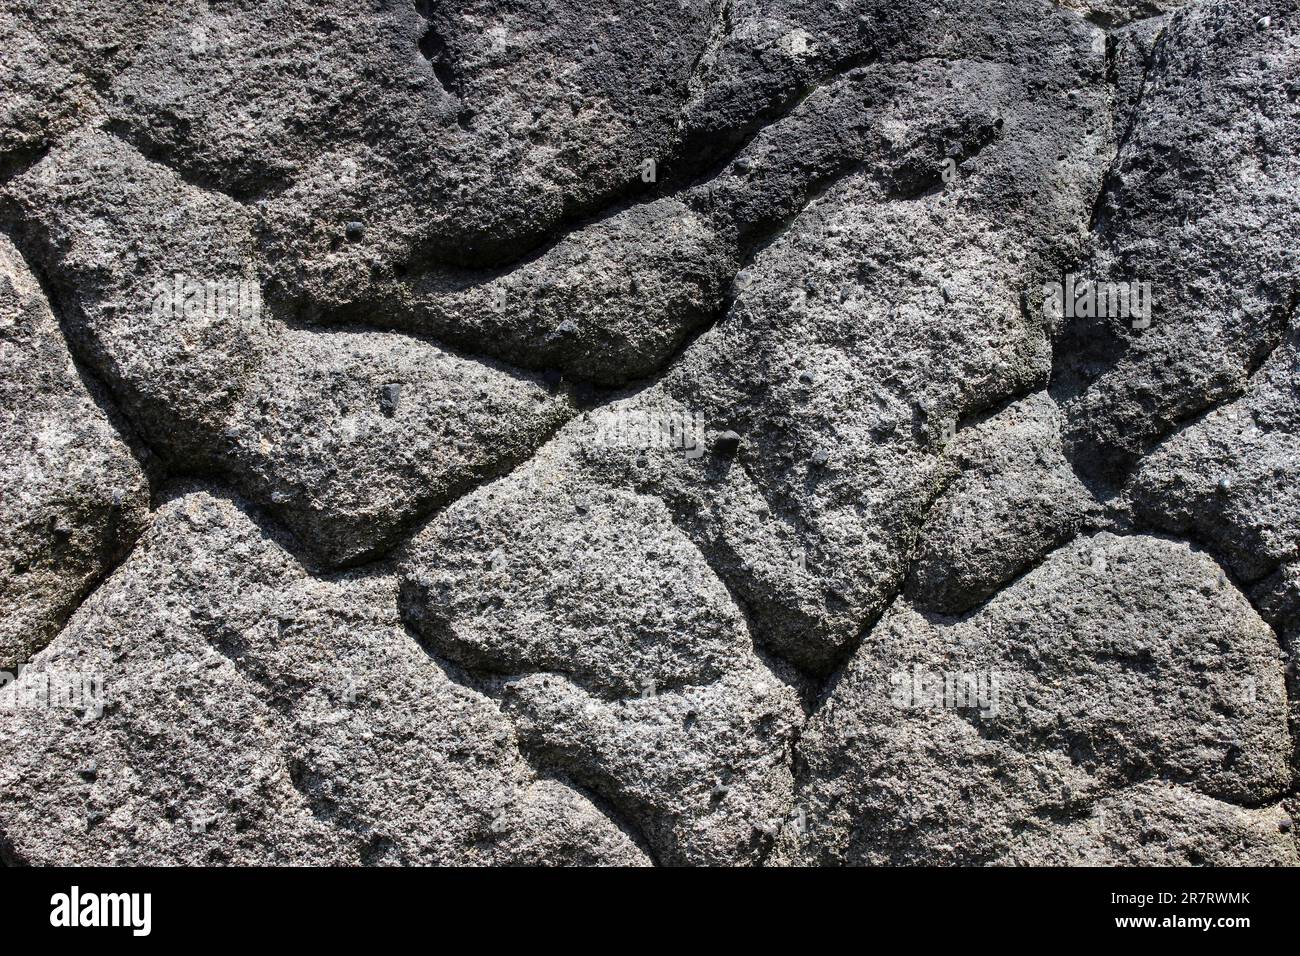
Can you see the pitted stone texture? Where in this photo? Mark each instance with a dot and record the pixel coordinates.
(764, 55)
(1117, 13)
(113, 231)
(849, 347)
(39, 95)
(465, 134)
(72, 494)
(597, 585)
(1278, 600)
(837, 376)
(618, 653)
(609, 302)
(1155, 824)
(808, 238)
(885, 310)
(1119, 660)
(858, 332)
(1229, 477)
(775, 53)
(1041, 72)
(253, 713)
(59, 61)
(291, 417)
(496, 128)
(900, 120)
(703, 771)
(496, 122)
(300, 152)
(1202, 204)
(350, 437)
(1012, 500)
(1132, 51)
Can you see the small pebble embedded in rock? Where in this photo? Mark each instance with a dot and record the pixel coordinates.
(727, 442)
(389, 398)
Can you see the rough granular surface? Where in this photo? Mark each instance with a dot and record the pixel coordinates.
(707, 432)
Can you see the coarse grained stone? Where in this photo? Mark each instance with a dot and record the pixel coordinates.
(1227, 478)
(1155, 824)
(576, 432)
(616, 650)
(219, 384)
(250, 712)
(1200, 204)
(73, 495)
(1013, 499)
(1089, 680)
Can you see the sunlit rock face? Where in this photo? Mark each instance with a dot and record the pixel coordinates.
(717, 432)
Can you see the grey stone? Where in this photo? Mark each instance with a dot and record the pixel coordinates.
(617, 651)
(875, 341)
(660, 759)
(1013, 499)
(1228, 478)
(348, 475)
(562, 421)
(1156, 824)
(1132, 50)
(1117, 13)
(248, 712)
(1211, 235)
(1278, 600)
(221, 384)
(58, 61)
(1118, 662)
(73, 496)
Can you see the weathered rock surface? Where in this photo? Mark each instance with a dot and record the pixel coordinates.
(1157, 824)
(850, 342)
(956, 740)
(1201, 204)
(618, 652)
(73, 496)
(176, 357)
(563, 421)
(297, 419)
(1014, 499)
(1132, 52)
(1229, 478)
(250, 712)
(1278, 599)
(1117, 13)
(42, 96)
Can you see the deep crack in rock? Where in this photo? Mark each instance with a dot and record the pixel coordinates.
(694, 433)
